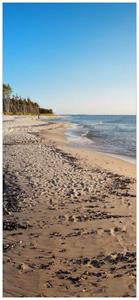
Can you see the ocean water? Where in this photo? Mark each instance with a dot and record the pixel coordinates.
(113, 134)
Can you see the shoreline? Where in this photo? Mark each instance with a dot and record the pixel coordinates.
(69, 216)
(73, 145)
(72, 142)
(131, 160)
(106, 160)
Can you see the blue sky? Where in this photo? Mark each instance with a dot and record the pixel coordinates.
(74, 58)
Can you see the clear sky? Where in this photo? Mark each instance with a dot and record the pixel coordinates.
(73, 58)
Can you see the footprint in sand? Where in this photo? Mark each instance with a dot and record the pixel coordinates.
(33, 245)
(119, 229)
(116, 230)
(72, 218)
(109, 231)
(100, 231)
(24, 268)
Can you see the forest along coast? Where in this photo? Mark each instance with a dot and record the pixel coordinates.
(69, 220)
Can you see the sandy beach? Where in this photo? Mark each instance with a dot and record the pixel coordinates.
(69, 216)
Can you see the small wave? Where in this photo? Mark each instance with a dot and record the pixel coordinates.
(110, 134)
(78, 139)
(74, 125)
(86, 133)
(98, 123)
(84, 140)
(92, 124)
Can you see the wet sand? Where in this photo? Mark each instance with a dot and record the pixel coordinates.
(69, 216)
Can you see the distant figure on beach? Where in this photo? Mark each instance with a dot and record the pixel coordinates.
(38, 113)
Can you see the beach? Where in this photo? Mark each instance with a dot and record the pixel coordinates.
(69, 215)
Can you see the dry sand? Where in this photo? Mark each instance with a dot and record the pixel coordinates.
(69, 216)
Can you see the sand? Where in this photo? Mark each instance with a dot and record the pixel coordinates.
(69, 216)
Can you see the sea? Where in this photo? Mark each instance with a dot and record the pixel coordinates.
(110, 134)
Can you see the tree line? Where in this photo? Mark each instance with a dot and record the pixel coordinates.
(18, 105)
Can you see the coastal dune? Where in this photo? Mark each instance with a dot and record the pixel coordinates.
(69, 216)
